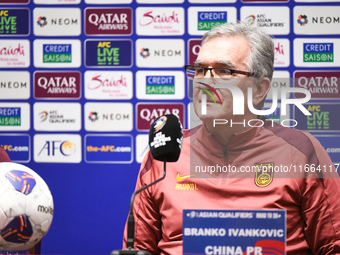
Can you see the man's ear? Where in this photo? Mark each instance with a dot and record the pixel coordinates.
(260, 91)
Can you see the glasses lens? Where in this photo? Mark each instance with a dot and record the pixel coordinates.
(223, 73)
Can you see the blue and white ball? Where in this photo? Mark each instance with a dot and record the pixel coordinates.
(26, 207)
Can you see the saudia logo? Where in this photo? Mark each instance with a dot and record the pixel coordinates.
(107, 55)
(149, 18)
(238, 102)
(9, 51)
(97, 82)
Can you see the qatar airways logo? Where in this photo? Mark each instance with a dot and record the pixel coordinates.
(156, 21)
(239, 102)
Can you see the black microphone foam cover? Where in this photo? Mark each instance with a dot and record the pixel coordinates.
(165, 138)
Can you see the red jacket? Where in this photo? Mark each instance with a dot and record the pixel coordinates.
(311, 198)
(3, 155)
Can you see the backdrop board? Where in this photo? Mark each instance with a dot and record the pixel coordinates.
(81, 81)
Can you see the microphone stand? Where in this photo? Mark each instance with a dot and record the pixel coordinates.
(131, 224)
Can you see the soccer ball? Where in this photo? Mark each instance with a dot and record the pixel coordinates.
(26, 207)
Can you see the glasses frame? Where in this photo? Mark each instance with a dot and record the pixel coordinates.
(232, 71)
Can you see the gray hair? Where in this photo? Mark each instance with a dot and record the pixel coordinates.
(261, 57)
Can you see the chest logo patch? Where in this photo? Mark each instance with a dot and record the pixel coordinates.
(264, 174)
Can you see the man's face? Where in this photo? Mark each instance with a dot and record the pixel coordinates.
(228, 52)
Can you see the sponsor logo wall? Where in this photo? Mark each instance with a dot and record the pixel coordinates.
(82, 80)
(57, 55)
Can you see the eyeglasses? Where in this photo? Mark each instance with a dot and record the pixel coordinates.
(221, 72)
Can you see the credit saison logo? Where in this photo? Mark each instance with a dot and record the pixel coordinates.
(208, 20)
(57, 53)
(10, 116)
(318, 52)
(14, 22)
(238, 103)
(160, 85)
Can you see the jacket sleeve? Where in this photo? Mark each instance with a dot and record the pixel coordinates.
(3, 155)
(321, 205)
(146, 213)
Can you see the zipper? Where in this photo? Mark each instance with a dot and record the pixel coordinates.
(225, 175)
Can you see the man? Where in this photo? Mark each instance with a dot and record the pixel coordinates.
(3, 155)
(241, 55)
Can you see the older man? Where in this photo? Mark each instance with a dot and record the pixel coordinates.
(241, 55)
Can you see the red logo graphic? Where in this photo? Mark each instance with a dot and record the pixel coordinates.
(147, 113)
(194, 49)
(321, 84)
(108, 21)
(57, 85)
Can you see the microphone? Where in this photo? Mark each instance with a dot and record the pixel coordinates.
(165, 142)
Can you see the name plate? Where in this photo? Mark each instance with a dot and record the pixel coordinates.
(234, 232)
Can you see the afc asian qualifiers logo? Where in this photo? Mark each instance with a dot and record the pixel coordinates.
(264, 174)
(108, 21)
